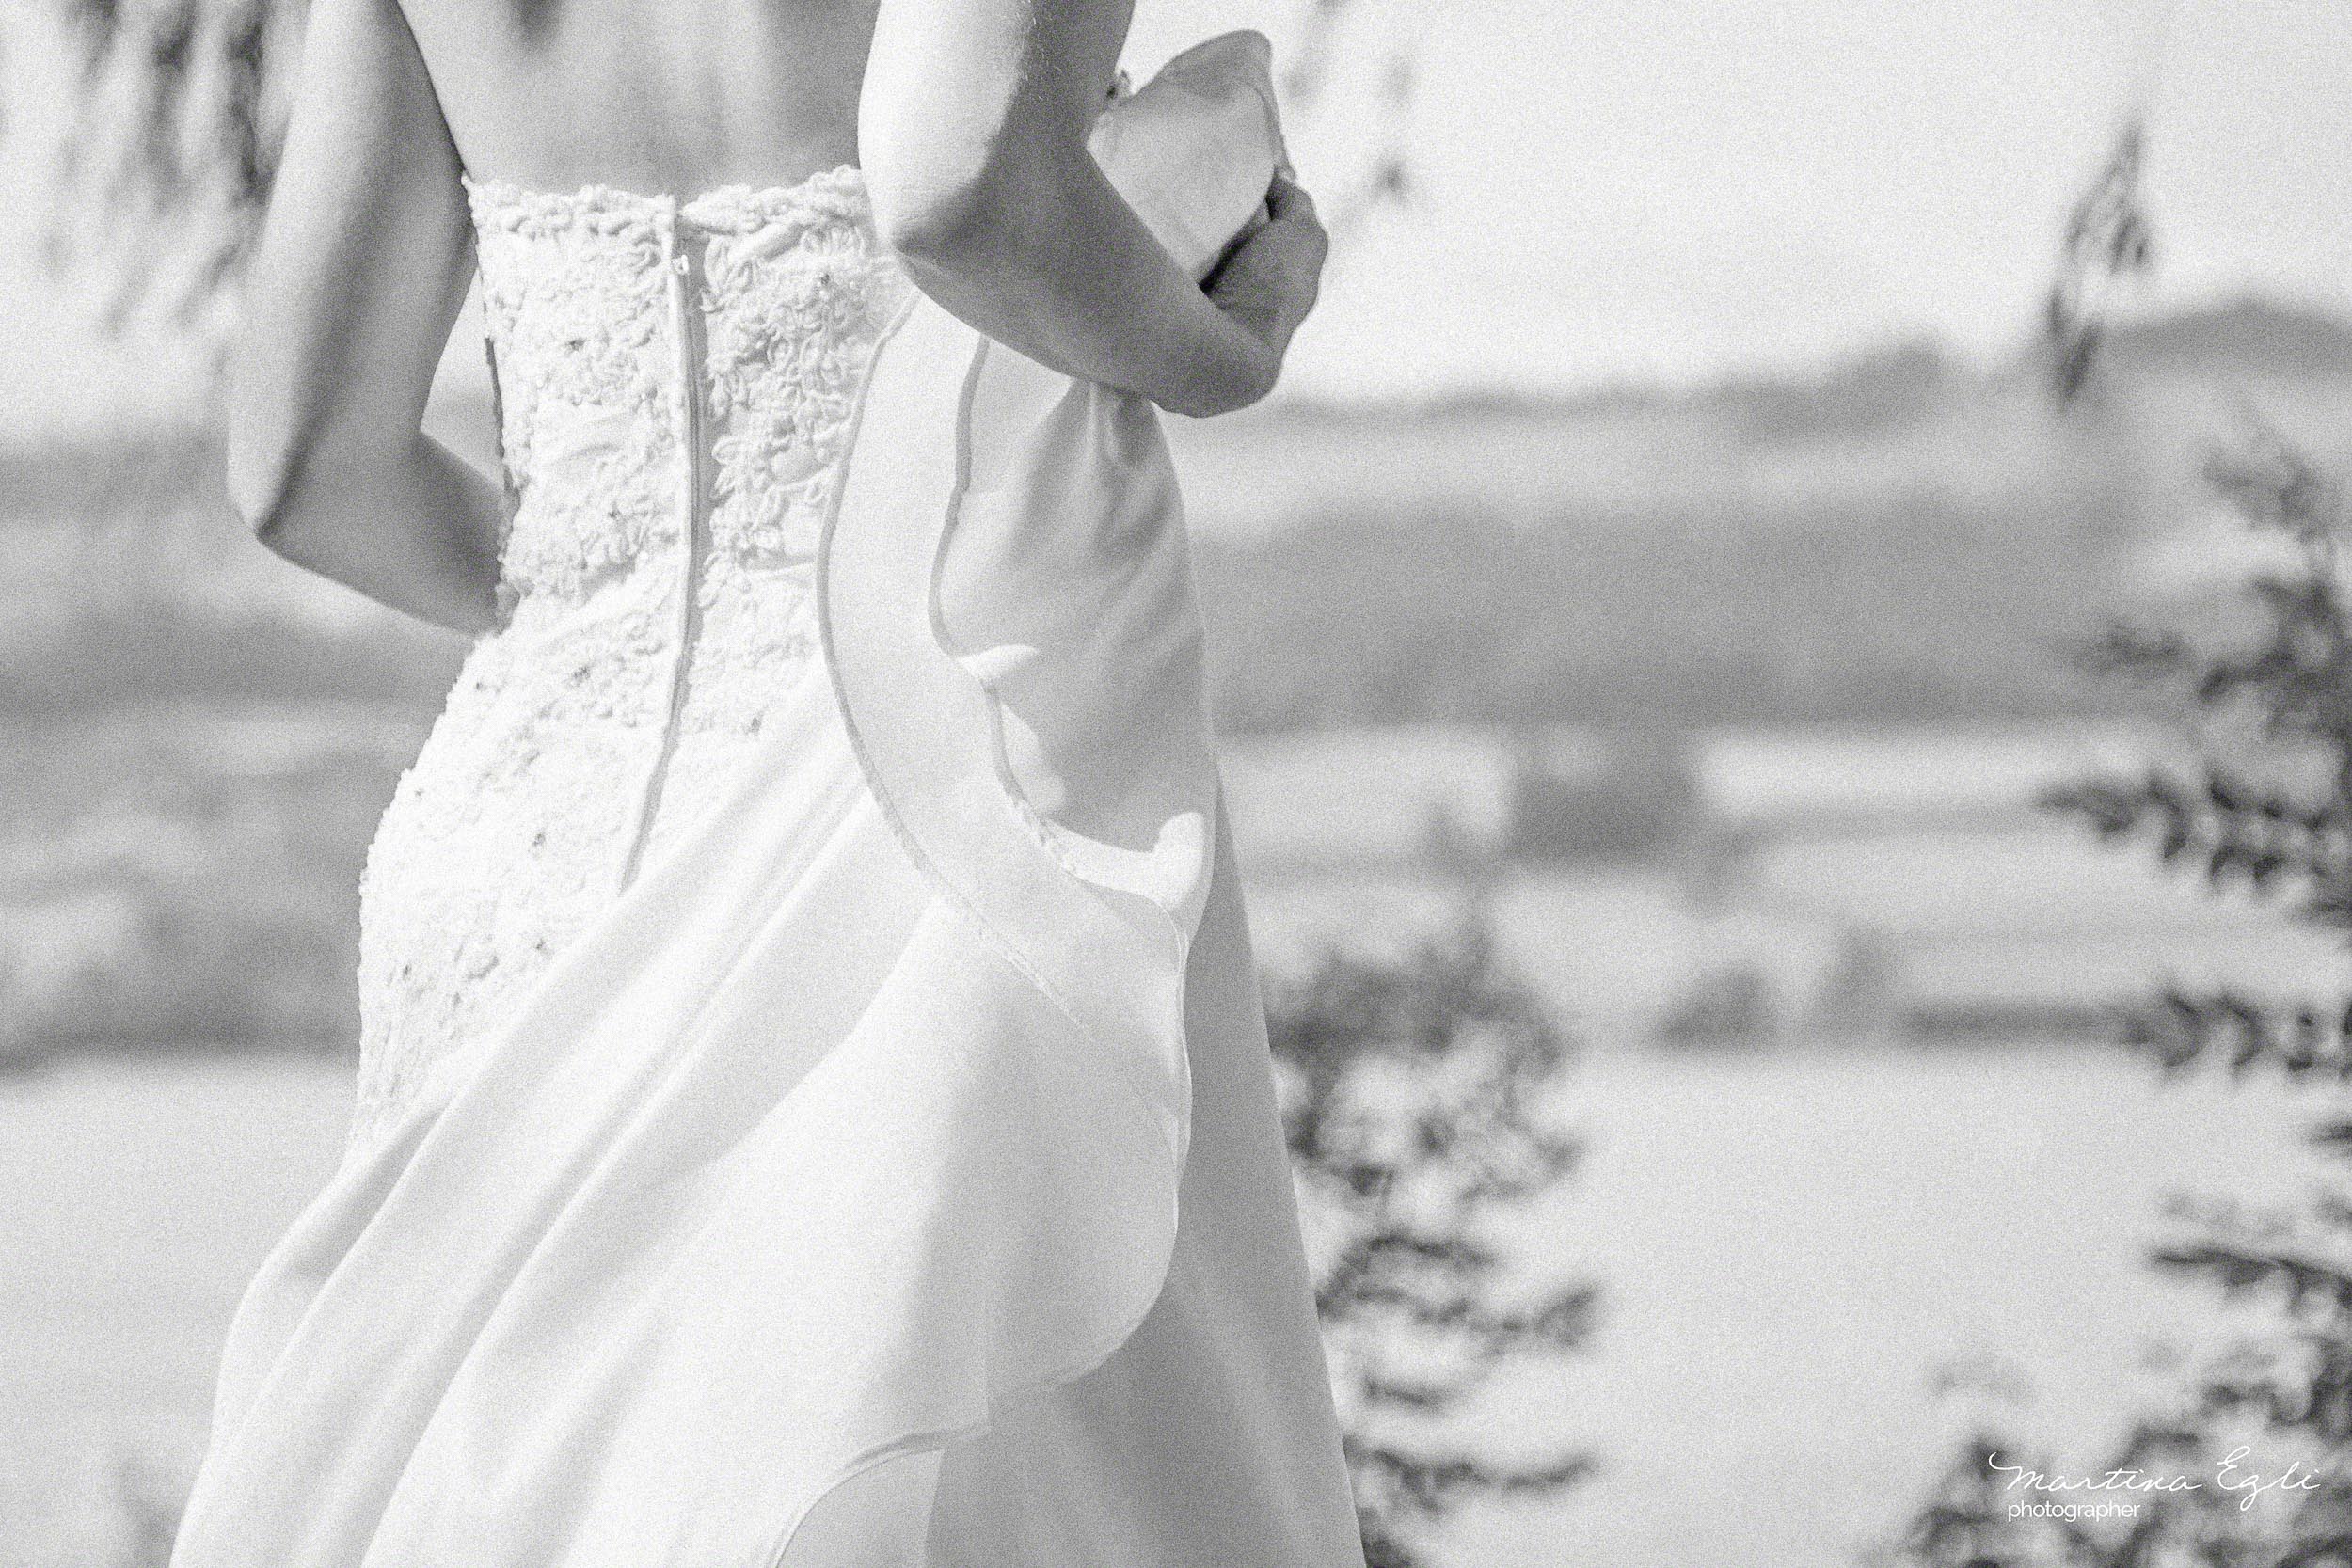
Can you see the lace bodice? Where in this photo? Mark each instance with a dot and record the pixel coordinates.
(779, 294)
(675, 382)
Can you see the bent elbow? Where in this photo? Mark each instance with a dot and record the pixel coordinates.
(276, 437)
(927, 193)
(282, 490)
(985, 214)
(261, 480)
(948, 225)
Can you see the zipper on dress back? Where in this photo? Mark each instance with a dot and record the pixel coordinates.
(686, 337)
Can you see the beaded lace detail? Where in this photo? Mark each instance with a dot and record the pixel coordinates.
(605, 711)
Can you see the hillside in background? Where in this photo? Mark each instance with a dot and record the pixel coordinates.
(2247, 339)
(1903, 537)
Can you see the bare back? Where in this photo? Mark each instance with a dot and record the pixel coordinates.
(652, 95)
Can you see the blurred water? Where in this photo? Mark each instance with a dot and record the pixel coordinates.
(136, 1198)
(1793, 1247)
(1789, 1245)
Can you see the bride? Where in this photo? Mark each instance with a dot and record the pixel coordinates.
(813, 1108)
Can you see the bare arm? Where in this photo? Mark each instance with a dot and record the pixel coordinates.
(973, 133)
(360, 271)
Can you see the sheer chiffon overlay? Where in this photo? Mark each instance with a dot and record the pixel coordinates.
(813, 1107)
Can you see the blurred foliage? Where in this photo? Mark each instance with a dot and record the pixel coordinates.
(1413, 1108)
(2109, 242)
(178, 108)
(2110, 238)
(1637, 800)
(1338, 41)
(1917, 606)
(2264, 812)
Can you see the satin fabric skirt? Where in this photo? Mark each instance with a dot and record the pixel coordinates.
(629, 1349)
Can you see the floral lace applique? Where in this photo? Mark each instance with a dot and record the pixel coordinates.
(514, 830)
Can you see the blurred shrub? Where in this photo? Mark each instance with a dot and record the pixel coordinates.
(1734, 1004)
(180, 877)
(1413, 1106)
(2266, 812)
(1637, 796)
(1909, 607)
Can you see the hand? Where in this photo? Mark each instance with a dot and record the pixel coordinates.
(1268, 281)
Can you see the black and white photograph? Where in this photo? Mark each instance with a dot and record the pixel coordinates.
(1105, 783)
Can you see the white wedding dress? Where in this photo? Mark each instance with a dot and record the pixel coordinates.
(813, 1106)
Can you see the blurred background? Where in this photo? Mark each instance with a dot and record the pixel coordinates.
(1788, 716)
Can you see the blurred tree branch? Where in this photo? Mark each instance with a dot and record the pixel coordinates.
(158, 182)
(2109, 242)
(2110, 238)
(1332, 36)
